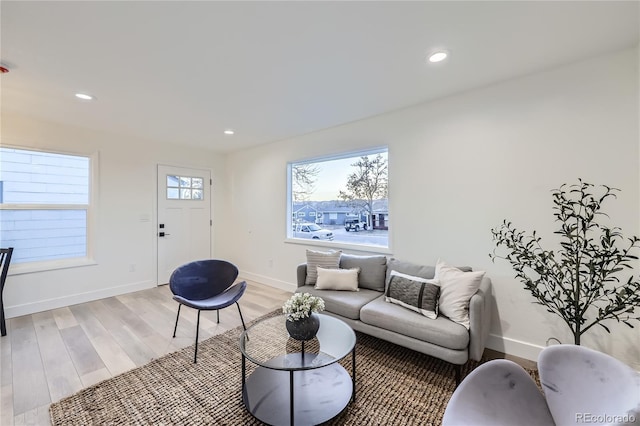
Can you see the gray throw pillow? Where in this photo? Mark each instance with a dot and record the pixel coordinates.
(328, 260)
(372, 270)
(415, 293)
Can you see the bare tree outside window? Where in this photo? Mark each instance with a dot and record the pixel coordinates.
(304, 177)
(369, 182)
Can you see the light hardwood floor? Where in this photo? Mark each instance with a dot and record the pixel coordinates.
(49, 355)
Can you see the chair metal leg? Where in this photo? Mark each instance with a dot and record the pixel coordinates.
(240, 312)
(218, 315)
(177, 316)
(3, 327)
(195, 355)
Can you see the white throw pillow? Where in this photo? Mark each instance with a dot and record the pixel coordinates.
(456, 289)
(337, 279)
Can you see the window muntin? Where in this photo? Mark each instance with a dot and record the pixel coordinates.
(325, 192)
(44, 205)
(184, 188)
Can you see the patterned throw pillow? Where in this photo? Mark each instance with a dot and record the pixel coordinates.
(415, 293)
(328, 260)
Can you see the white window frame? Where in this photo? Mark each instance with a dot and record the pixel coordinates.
(48, 265)
(327, 243)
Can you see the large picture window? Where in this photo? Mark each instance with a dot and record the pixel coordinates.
(340, 200)
(44, 205)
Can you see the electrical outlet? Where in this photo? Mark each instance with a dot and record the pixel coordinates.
(132, 267)
(270, 263)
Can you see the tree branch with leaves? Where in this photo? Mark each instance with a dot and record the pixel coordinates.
(581, 281)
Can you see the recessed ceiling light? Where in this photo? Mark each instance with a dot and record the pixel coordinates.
(229, 132)
(84, 97)
(438, 56)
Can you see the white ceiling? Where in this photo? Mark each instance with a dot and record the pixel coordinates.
(185, 71)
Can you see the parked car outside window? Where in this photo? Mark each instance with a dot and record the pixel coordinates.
(312, 231)
(354, 225)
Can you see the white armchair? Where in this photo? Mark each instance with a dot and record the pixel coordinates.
(583, 386)
(580, 386)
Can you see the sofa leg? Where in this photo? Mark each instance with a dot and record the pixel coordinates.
(458, 370)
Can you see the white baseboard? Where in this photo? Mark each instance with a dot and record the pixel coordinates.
(514, 347)
(263, 279)
(60, 302)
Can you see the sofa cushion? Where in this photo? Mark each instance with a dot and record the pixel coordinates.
(415, 293)
(456, 289)
(330, 260)
(409, 268)
(337, 279)
(343, 303)
(416, 269)
(440, 331)
(372, 269)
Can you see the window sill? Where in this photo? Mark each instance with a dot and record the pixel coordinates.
(32, 267)
(339, 245)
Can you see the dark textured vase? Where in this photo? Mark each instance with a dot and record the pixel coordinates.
(305, 328)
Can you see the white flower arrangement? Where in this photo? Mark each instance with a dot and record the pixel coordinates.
(301, 305)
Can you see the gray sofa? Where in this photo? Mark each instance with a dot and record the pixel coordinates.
(367, 311)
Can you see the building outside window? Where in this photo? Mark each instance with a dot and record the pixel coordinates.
(45, 206)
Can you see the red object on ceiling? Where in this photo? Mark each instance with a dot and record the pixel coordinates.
(3, 70)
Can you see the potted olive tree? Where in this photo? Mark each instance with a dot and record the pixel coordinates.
(584, 281)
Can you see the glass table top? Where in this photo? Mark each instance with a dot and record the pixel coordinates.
(268, 344)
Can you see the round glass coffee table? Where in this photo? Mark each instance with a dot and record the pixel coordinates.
(297, 382)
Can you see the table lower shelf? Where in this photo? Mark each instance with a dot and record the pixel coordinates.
(318, 395)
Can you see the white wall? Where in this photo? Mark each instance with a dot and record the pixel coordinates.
(458, 167)
(126, 194)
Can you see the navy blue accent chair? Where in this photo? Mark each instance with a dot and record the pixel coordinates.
(206, 285)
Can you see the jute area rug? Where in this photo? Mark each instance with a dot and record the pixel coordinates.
(395, 386)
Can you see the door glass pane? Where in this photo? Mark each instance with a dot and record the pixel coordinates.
(172, 181)
(185, 194)
(185, 182)
(197, 194)
(173, 193)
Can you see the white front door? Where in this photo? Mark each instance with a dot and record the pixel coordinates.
(184, 218)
